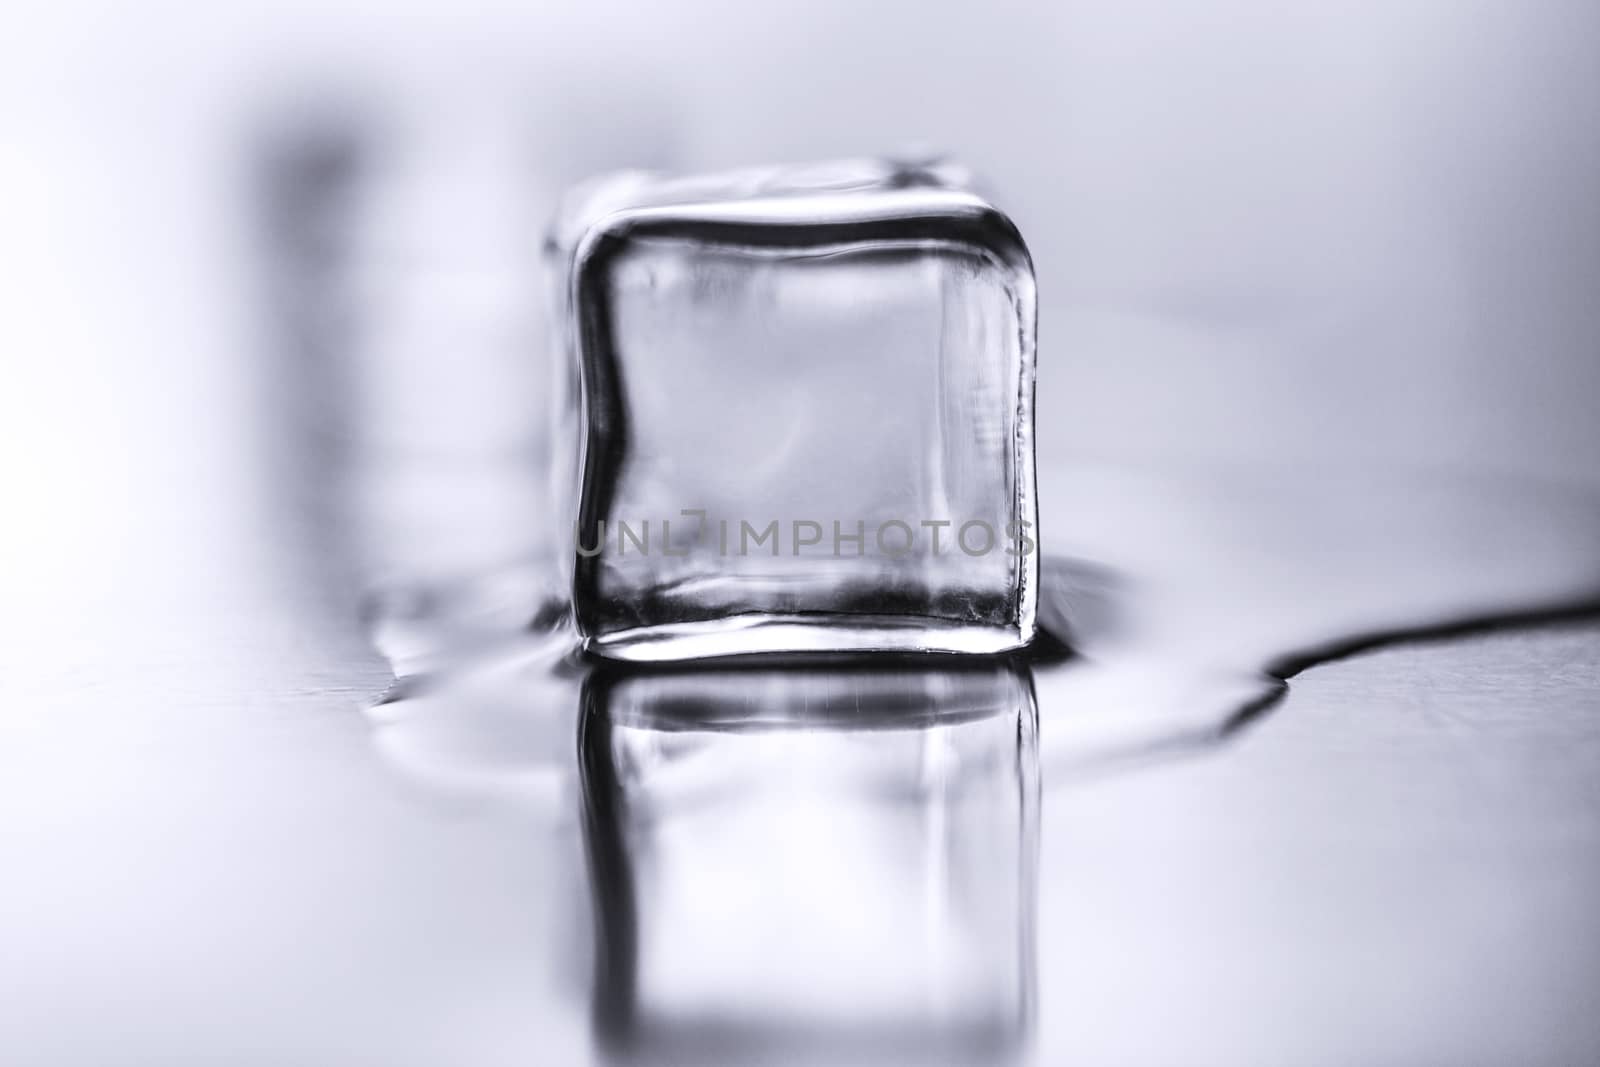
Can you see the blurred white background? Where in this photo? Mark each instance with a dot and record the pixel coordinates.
(1358, 233)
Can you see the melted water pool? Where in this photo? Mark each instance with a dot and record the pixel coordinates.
(921, 861)
(1174, 610)
(817, 864)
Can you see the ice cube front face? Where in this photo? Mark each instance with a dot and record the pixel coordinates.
(805, 415)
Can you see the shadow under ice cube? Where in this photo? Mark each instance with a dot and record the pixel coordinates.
(804, 404)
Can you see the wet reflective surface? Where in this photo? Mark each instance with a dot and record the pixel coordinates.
(837, 864)
(230, 834)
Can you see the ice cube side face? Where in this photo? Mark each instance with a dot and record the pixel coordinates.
(805, 418)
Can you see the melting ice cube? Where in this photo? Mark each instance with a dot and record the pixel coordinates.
(804, 403)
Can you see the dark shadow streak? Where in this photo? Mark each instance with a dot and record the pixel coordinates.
(1291, 664)
(611, 877)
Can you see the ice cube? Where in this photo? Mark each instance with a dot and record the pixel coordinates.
(804, 405)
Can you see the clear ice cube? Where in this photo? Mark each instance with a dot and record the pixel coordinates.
(804, 404)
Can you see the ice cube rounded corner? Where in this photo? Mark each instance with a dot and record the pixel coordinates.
(796, 415)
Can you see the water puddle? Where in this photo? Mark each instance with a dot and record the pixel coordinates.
(836, 861)
(839, 863)
(1174, 600)
(1180, 608)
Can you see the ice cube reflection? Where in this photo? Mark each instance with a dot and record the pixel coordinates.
(833, 863)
